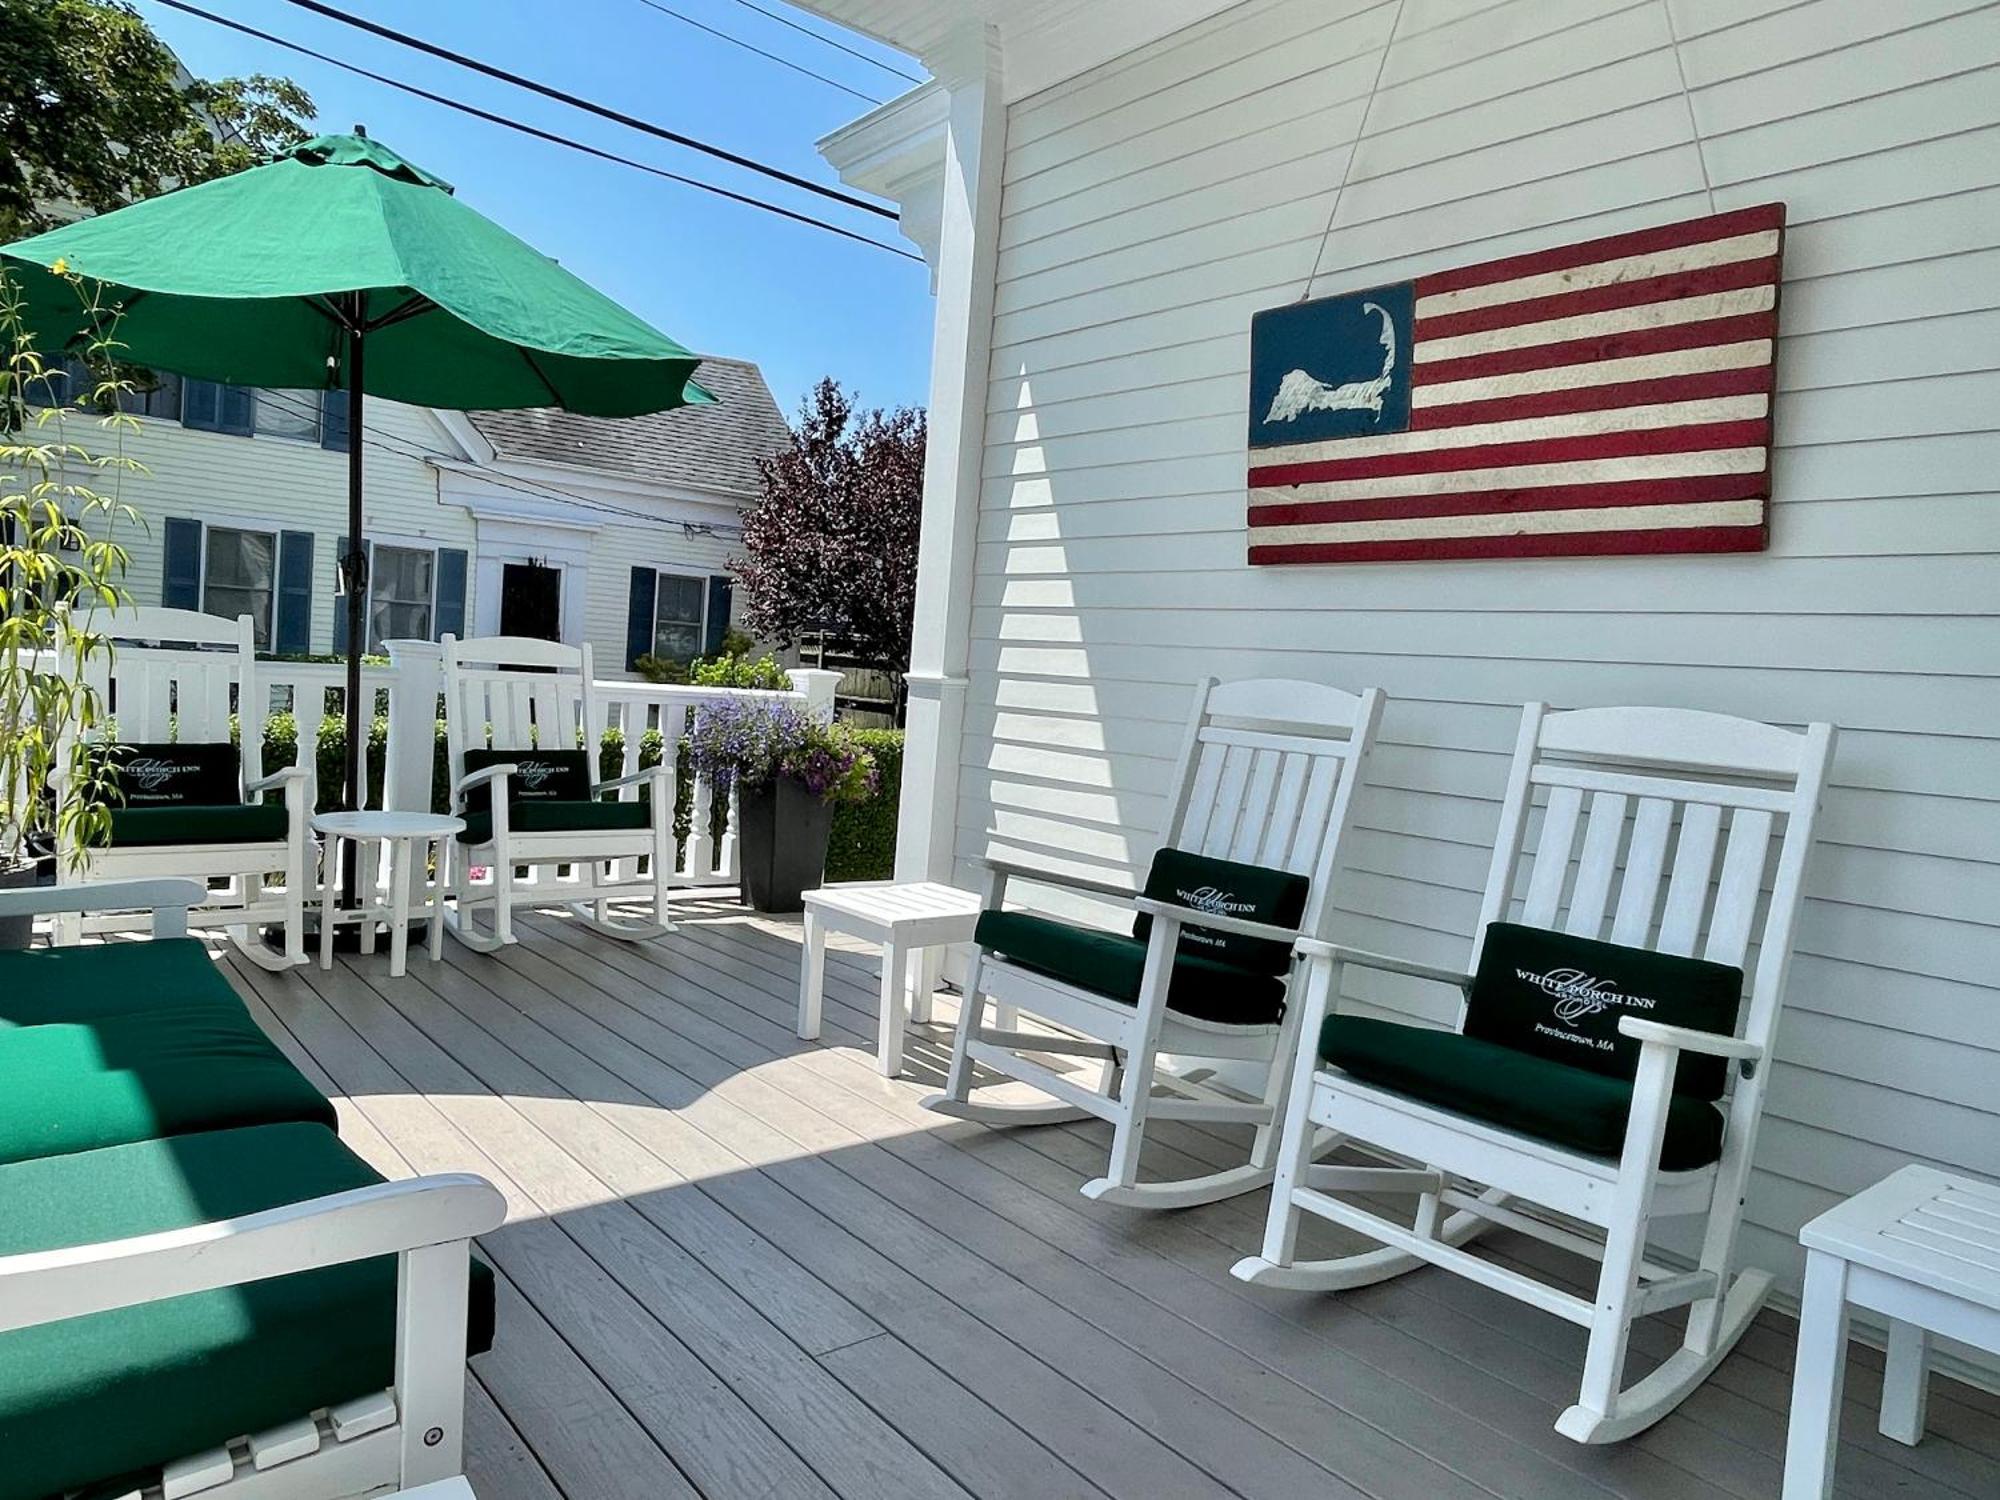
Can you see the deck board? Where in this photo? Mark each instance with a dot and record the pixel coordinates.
(740, 1264)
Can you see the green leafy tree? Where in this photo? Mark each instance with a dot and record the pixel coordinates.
(96, 111)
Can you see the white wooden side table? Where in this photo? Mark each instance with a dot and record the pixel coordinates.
(1921, 1247)
(912, 923)
(408, 837)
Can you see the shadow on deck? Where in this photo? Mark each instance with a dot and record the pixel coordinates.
(740, 1265)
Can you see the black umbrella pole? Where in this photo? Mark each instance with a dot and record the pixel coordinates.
(360, 715)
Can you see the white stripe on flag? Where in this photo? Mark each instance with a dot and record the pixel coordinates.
(1592, 325)
(1522, 476)
(1521, 430)
(1743, 356)
(1603, 273)
(1519, 523)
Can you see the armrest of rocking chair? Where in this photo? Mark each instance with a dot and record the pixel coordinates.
(652, 773)
(483, 777)
(1361, 958)
(44, 1286)
(1192, 916)
(168, 900)
(1688, 1039)
(1004, 870)
(277, 779)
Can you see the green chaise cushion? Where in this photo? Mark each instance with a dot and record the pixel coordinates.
(560, 817)
(229, 823)
(116, 1392)
(165, 1068)
(42, 985)
(1112, 964)
(1573, 1108)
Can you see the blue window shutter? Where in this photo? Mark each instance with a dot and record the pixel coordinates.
(333, 420)
(180, 570)
(295, 601)
(449, 616)
(239, 410)
(201, 405)
(639, 617)
(720, 591)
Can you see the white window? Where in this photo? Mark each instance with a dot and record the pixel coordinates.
(288, 414)
(680, 616)
(239, 576)
(402, 594)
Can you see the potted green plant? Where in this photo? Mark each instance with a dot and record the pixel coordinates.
(60, 565)
(789, 772)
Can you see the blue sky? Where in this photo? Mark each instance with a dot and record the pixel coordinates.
(719, 277)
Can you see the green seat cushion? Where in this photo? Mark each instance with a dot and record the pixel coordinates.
(1112, 963)
(116, 1392)
(1574, 1108)
(560, 817)
(42, 985)
(167, 1068)
(230, 823)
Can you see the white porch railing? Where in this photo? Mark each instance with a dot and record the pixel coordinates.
(409, 688)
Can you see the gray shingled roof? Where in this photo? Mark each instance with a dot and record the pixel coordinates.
(703, 447)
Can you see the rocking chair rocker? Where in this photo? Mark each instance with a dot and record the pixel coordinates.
(1592, 1087)
(1255, 817)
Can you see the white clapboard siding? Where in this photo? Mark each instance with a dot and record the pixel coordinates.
(1152, 205)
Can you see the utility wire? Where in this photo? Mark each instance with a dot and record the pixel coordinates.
(833, 42)
(575, 101)
(533, 131)
(737, 41)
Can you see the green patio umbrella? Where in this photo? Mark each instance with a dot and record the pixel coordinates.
(341, 266)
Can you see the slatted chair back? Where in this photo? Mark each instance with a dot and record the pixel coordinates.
(1267, 777)
(178, 674)
(1669, 829)
(511, 692)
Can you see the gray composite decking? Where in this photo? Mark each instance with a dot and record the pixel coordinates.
(738, 1265)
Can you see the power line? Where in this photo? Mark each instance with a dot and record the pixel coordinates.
(534, 131)
(737, 41)
(833, 42)
(575, 101)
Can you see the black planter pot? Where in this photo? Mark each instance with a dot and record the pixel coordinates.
(17, 932)
(781, 838)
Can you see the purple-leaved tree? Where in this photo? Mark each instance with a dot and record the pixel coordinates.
(831, 547)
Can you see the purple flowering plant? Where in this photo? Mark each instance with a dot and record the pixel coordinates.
(752, 741)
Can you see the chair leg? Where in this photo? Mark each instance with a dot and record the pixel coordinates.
(295, 904)
(1135, 1091)
(503, 895)
(1295, 1143)
(958, 1080)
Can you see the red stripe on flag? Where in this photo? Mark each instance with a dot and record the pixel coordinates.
(1735, 276)
(1561, 544)
(1692, 438)
(1748, 381)
(1694, 489)
(1611, 247)
(1696, 335)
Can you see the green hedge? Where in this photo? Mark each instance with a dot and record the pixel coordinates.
(863, 843)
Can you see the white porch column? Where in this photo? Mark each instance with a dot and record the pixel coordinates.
(961, 346)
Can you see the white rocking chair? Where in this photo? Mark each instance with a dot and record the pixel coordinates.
(157, 693)
(514, 693)
(1648, 789)
(1266, 777)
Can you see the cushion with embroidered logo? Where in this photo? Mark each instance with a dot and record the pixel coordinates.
(539, 776)
(1252, 892)
(198, 774)
(1561, 997)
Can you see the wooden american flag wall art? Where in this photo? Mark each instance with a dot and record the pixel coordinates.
(1606, 397)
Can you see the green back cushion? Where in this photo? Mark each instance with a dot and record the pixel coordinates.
(1229, 889)
(541, 776)
(1561, 998)
(177, 775)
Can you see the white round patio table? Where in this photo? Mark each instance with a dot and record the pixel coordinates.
(408, 837)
